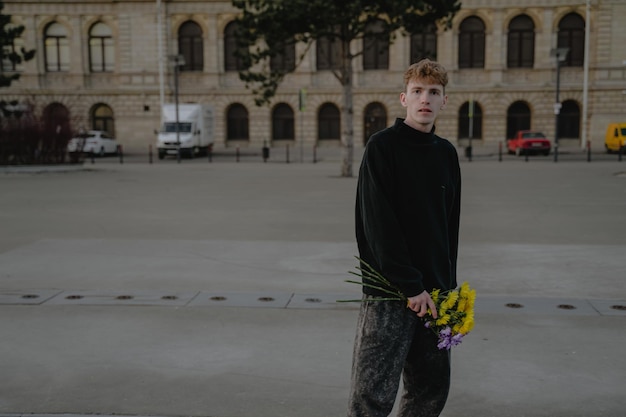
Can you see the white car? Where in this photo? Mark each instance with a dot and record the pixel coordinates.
(96, 141)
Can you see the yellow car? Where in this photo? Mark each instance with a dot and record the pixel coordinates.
(615, 139)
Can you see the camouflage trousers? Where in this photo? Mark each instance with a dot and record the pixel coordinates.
(392, 343)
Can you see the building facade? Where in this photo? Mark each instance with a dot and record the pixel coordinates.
(108, 65)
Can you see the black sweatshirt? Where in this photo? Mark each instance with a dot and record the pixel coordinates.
(407, 209)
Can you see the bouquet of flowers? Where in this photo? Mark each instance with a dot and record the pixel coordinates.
(455, 316)
(455, 308)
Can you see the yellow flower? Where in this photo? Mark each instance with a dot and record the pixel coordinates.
(465, 289)
(468, 324)
(443, 320)
(450, 300)
(471, 298)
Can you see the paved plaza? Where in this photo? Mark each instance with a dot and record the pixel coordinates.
(209, 289)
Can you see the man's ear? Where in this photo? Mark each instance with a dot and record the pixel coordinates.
(403, 99)
(444, 102)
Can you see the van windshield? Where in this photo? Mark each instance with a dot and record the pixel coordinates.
(623, 129)
(182, 127)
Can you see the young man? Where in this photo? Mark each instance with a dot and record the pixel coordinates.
(407, 227)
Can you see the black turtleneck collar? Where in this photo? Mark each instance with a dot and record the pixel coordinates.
(414, 135)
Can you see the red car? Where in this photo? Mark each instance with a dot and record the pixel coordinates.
(528, 142)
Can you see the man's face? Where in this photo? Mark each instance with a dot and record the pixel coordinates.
(423, 103)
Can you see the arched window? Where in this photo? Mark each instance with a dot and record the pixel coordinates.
(374, 120)
(517, 118)
(572, 35)
(101, 52)
(190, 46)
(231, 61)
(102, 119)
(237, 122)
(282, 122)
(521, 43)
(285, 60)
(472, 43)
(424, 44)
(375, 46)
(470, 122)
(328, 53)
(569, 120)
(56, 48)
(328, 122)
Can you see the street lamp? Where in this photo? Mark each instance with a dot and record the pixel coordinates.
(178, 61)
(560, 54)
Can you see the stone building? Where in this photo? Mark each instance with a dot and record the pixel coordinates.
(107, 65)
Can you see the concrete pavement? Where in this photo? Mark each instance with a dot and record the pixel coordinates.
(209, 289)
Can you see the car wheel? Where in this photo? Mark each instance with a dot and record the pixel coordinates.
(546, 153)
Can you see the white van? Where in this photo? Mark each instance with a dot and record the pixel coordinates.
(193, 134)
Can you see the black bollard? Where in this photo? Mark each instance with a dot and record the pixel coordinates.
(556, 152)
(265, 152)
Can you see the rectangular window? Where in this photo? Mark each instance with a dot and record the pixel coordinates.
(57, 53)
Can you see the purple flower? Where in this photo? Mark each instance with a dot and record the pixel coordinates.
(446, 331)
(444, 344)
(456, 339)
(447, 339)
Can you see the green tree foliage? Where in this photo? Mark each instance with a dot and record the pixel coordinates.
(8, 53)
(267, 27)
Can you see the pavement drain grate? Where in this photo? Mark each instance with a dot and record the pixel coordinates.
(169, 297)
(218, 298)
(566, 307)
(266, 299)
(514, 305)
(26, 297)
(619, 307)
(322, 301)
(124, 297)
(74, 297)
(30, 296)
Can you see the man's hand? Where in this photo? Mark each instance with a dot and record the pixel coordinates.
(421, 303)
